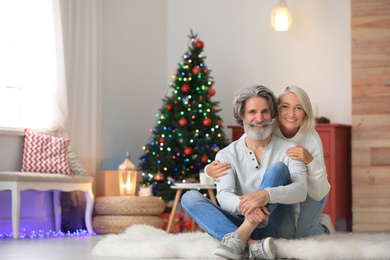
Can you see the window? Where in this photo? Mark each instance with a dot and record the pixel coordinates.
(27, 63)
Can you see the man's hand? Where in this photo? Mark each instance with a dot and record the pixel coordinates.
(253, 200)
(258, 215)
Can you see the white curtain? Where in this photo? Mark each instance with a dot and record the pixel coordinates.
(32, 66)
(59, 113)
(80, 38)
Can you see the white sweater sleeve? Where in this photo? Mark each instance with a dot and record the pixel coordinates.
(317, 180)
(317, 177)
(226, 188)
(205, 170)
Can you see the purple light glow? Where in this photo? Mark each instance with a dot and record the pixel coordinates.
(47, 234)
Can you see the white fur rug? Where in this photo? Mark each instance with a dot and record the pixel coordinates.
(146, 242)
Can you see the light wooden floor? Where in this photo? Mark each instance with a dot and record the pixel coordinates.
(61, 248)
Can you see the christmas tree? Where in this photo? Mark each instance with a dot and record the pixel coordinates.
(189, 131)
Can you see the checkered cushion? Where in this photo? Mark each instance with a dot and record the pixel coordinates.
(45, 153)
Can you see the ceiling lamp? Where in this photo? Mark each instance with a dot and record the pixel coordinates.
(281, 17)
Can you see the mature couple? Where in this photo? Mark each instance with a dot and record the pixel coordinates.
(271, 183)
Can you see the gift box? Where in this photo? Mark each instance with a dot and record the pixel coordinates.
(176, 221)
(188, 224)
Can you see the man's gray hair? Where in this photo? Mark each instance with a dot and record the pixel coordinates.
(243, 94)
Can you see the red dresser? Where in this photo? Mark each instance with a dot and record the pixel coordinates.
(336, 141)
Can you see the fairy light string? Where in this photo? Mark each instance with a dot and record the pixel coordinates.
(36, 234)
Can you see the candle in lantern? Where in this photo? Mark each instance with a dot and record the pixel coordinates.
(127, 177)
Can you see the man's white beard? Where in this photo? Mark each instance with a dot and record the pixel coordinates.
(260, 134)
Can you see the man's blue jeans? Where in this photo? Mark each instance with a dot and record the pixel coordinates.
(218, 222)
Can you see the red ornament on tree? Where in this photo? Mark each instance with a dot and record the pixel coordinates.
(199, 45)
(185, 88)
(219, 123)
(211, 91)
(162, 140)
(207, 122)
(188, 151)
(204, 159)
(169, 107)
(182, 121)
(196, 70)
(159, 176)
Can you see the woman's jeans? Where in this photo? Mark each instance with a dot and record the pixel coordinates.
(309, 214)
(218, 222)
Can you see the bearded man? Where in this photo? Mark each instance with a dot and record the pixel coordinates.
(259, 197)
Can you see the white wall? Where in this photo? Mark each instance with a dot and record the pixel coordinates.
(141, 47)
(133, 71)
(242, 49)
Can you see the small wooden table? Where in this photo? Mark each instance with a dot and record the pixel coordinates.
(179, 187)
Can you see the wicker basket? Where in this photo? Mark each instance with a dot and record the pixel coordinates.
(112, 224)
(129, 205)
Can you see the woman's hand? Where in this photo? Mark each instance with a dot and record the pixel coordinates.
(217, 169)
(299, 153)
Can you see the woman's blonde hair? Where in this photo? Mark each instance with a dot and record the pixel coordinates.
(309, 121)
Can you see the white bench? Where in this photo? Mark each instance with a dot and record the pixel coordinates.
(20, 181)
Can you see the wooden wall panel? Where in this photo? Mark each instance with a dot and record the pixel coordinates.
(372, 104)
(370, 30)
(380, 156)
(371, 220)
(363, 144)
(371, 126)
(370, 175)
(373, 86)
(361, 155)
